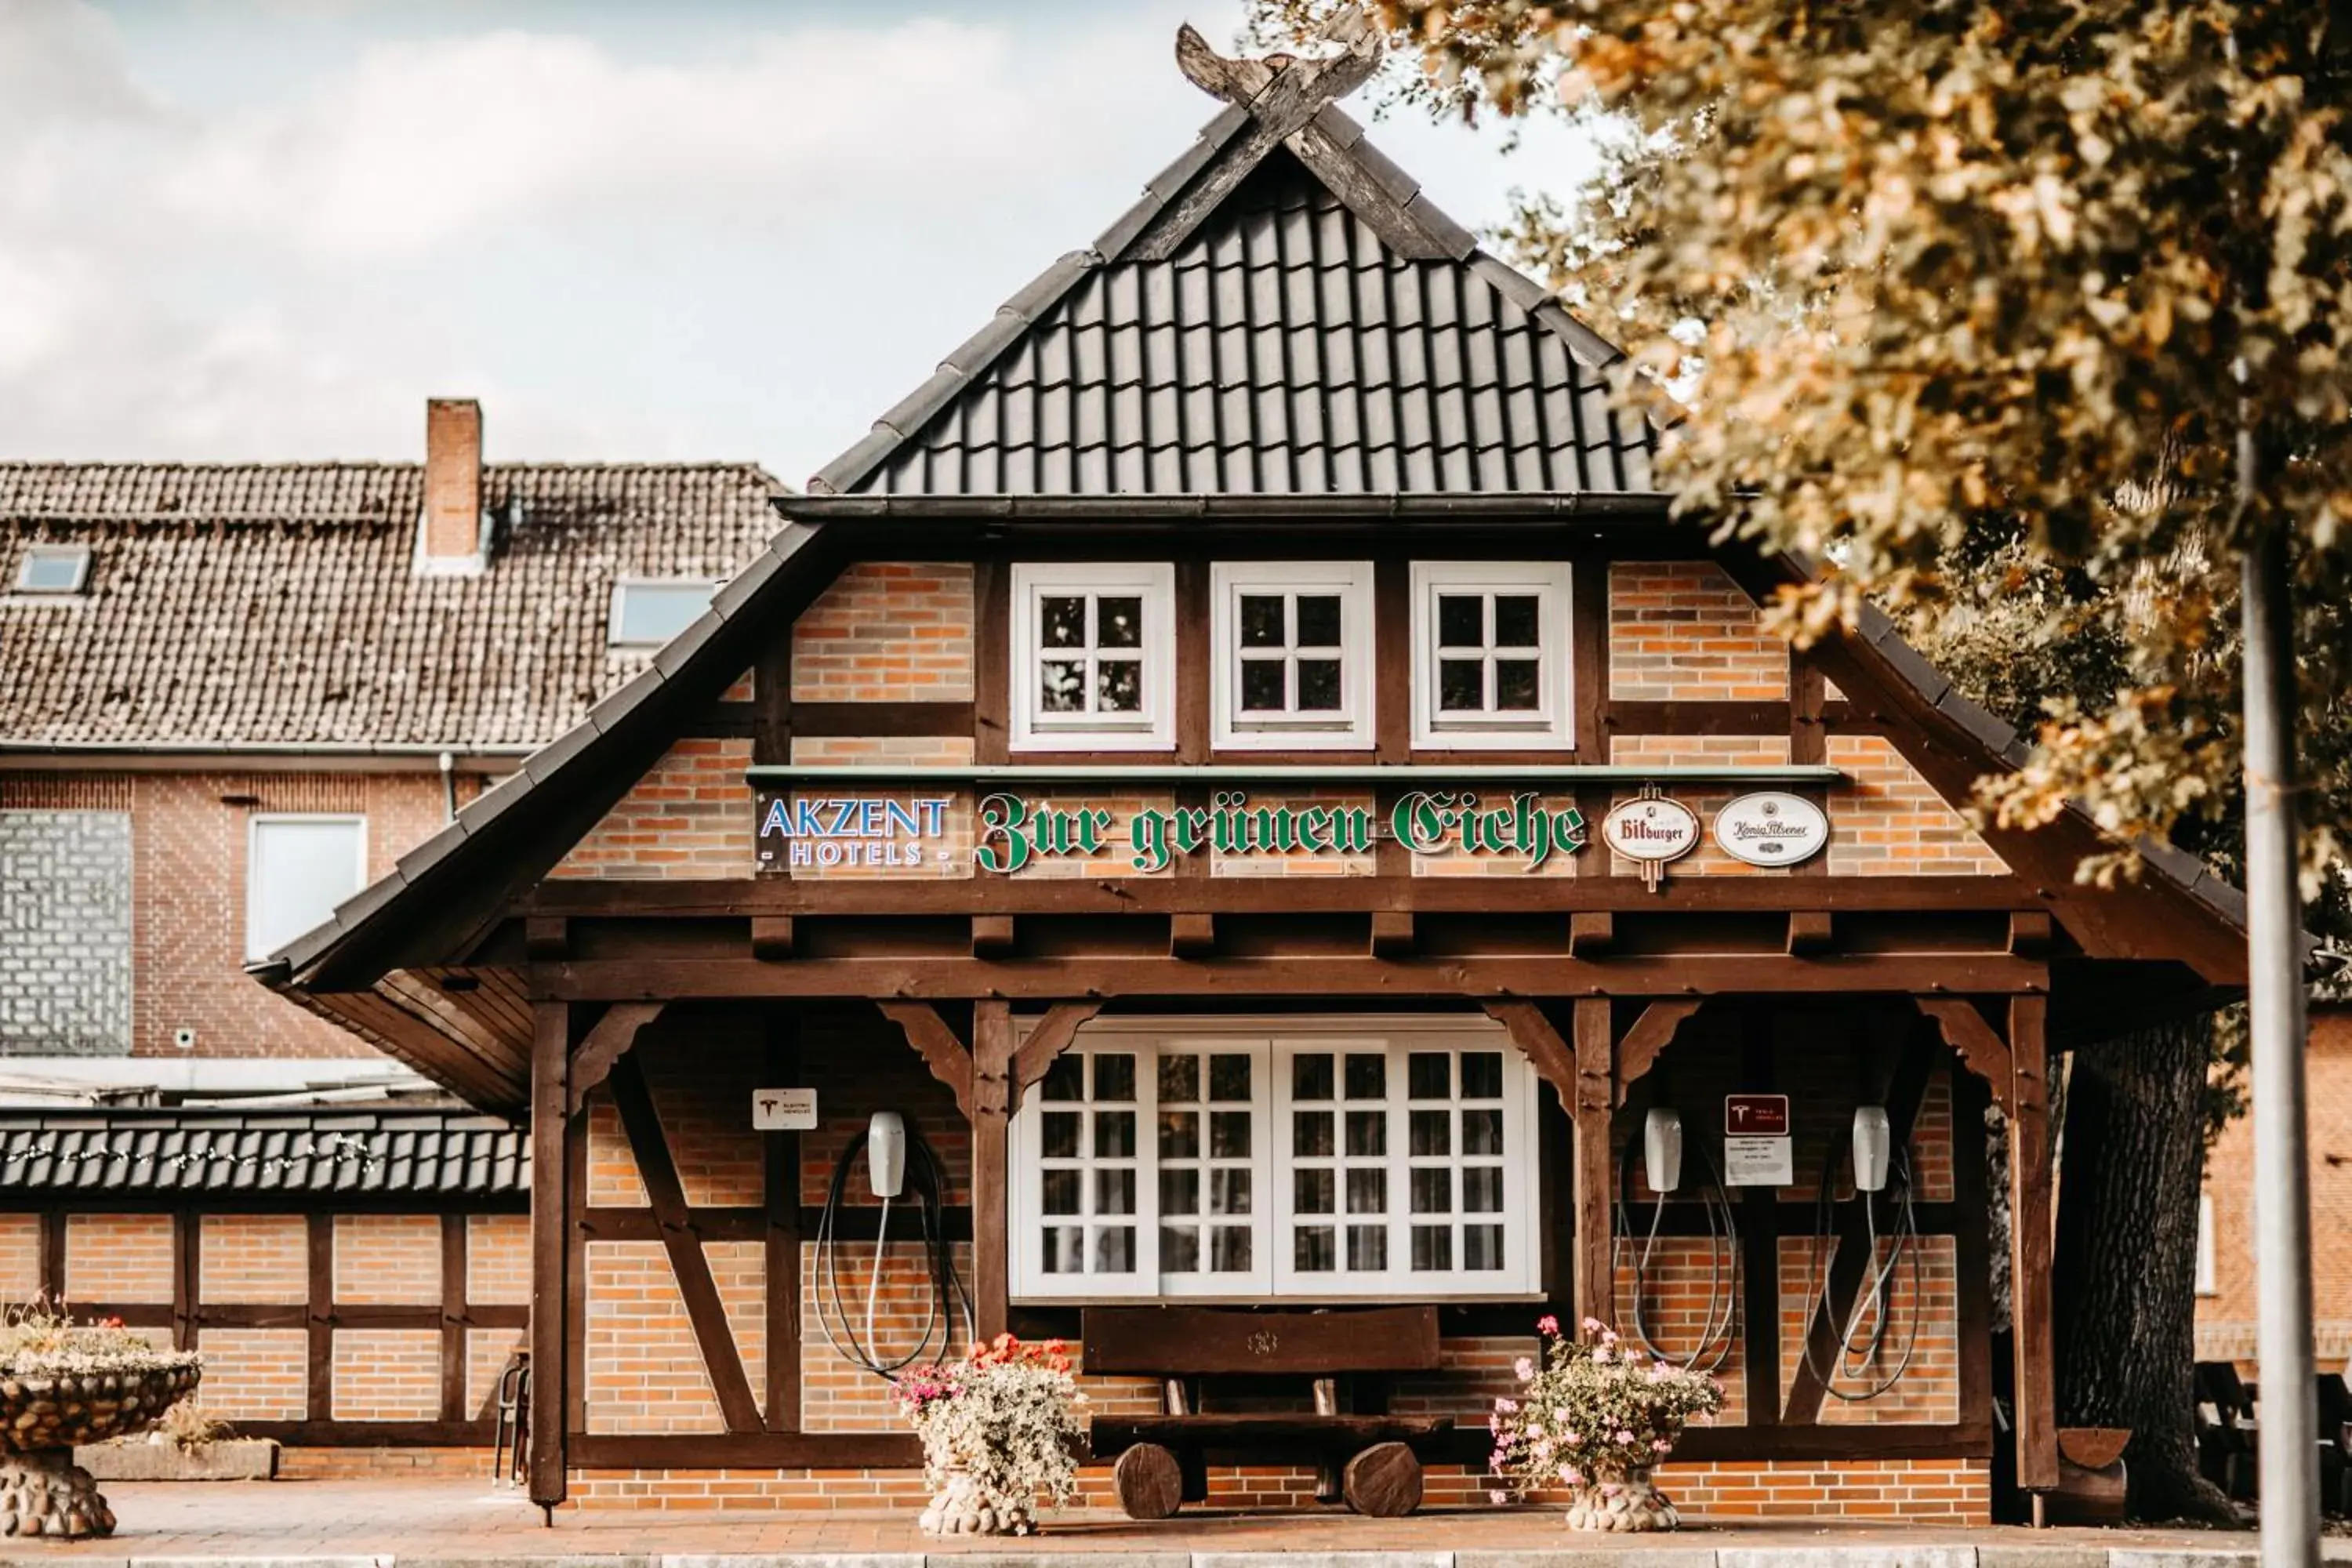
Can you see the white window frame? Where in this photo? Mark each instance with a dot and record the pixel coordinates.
(621, 586)
(78, 555)
(1151, 729)
(254, 826)
(1273, 1043)
(1349, 728)
(1549, 724)
(2208, 1276)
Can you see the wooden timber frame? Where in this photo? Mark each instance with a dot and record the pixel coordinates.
(189, 1314)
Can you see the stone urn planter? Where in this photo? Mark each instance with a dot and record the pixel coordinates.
(1630, 1503)
(963, 1507)
(999, 1430)
(47, 1408)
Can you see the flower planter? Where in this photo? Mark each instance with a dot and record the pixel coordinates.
(154, 1459)
(1632, 1503)
(44, 1415)
(997, 1429)
(961, 1507)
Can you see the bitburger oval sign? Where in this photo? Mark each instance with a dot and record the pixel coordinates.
(1771, 829)
(1651, 828)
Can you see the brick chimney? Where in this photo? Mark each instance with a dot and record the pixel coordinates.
(449, 534)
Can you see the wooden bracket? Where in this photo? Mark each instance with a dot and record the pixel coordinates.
(1591, 933)
(1809, 931)
(1191, 935)
(771, 937)
(1981, 1048)
(1553, 1059)
(991, 935)
(1046, 1042)
(546, 939)
(613, 1036)
(943, 1049)
(1392, 934)
(1653, 1032)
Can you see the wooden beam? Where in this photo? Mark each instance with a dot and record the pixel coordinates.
(1552, 1057)
(1972, 1246)
(911, 979)
(991, 936)
(2031, 933)
(1393, 933)
(612, 1038)
(780, 1237)
(2029, 1245)
(1979, 1049)
(551, 1247)
(747, 897)
(319, 1311)
(772, 937)
(1653, 1032)
(453, 1317)
(1591, 933)
(547, 936)
(187, 1276)
(1809, 932)
(1596, 1263)
(1192, 935)
(706, 1311)
(942, 1050)
(991, 655)
(1050, 1037)
(991, 1109)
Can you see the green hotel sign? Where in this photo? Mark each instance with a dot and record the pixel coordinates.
(1014, 831)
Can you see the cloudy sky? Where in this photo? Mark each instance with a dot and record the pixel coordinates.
(270, 228)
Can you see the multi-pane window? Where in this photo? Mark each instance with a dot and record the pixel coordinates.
(1294, 644)
(1490, 654)
(1093, 654)
(1335, 1162)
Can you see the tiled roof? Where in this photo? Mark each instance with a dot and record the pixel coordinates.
(274, 604)
(425, 1153)
(1285, 348)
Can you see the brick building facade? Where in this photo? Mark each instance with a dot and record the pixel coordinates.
(1244, 765)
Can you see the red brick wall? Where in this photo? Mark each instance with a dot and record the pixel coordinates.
(255, 1374)
(388, 1260)
(2225, 1319)
(691, 816)
(119, 1258)
(1683, 631)
(386, 1375)
(254, 1258)
(188, 881)
(887, 630)
(1887, 821)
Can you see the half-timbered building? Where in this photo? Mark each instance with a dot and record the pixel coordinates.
(1244, 764)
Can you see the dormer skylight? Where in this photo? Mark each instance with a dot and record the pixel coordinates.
(53, 569)
(649, 611)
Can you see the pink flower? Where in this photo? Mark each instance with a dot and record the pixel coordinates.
(1497, 1495)
(1507, 1405)
(1570, 1438)
(1548, 1324)
(1522, 1369)
(1624, 1436)
(1572, 1477)
(1660, 1445)
(1595, 1326)
(1600, 1354)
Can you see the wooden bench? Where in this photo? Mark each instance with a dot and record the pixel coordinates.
(1364, 1456)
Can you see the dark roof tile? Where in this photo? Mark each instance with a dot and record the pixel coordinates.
(199, 1152)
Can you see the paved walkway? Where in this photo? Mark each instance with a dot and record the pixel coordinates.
(448, 1524)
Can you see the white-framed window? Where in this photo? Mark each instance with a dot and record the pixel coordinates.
(2209, 1282)
(1239, 1160)
(1490, 655)
(1093, 656)
(297, 870)
(647, 612)
(1293, 643)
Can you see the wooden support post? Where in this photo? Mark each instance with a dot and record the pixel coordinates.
(2029, 1244)
(1760, 1243)
(453, 1318)
(1596, 1266)
(782, 1190)
(992, 1109)
(53, 1254)
(551, 1251)
(1972, 1246)
(320, 1316)
(187, 1274)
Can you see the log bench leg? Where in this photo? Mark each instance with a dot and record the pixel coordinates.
(1149, 1482)
(1383, 1482)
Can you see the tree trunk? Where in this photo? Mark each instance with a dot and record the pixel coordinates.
(2126, 1264)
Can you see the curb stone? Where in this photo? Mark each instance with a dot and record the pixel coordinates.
(2021, 1557)
(1590, 1557)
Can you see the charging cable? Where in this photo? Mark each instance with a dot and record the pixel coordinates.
(1718, 1331)
(927, 1179)
(1851, 1362)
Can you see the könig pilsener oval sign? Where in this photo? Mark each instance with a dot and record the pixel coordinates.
(1771, 829)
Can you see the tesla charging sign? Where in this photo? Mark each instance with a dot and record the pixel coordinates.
(1757, 1150)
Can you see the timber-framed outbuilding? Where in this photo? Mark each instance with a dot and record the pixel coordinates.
(1244, 762)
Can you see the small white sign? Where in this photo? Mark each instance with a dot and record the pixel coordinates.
(1650, 828)
(1760, 1162)
(783, 1109)
(1771, 829)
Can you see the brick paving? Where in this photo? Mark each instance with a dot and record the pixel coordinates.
(350, 1523)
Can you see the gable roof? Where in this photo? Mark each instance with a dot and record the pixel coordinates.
(1489, 433)
(411, 1153)
(1284, 311)
(272, 606)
